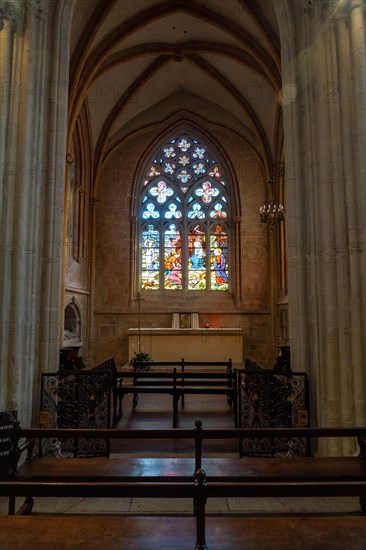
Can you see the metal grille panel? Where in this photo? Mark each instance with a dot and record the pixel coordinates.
(273, 399)
(76, 400)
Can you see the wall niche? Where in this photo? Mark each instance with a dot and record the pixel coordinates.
(72, 325)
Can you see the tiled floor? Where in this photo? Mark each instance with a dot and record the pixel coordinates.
(155, 412)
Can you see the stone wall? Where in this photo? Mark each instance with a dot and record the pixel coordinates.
(249, 306)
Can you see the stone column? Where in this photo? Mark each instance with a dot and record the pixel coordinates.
(323, 59)
(11, 17)
(33, 186)
(236, 255)
(357, 235)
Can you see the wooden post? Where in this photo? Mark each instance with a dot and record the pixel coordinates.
(139, 300)
(200, 500)
(198, 444)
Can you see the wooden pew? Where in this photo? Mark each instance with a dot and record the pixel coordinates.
(187, 366)
(176, 384)
(120, 468)
(340, 476)
(233, 469)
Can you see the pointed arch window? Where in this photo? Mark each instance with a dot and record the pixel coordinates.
(184, 220)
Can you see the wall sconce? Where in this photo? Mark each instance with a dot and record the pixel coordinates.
(271, 212)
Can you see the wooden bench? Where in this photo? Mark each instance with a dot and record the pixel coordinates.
(118, 467)
(99, 469)
(233, 469)
(256, 477)
(187, 366)
(226, 477)
(176, 384)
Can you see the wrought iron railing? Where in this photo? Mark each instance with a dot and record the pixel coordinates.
(273, 399)
(80, 399)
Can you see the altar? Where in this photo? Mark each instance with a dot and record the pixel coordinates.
(192, 344)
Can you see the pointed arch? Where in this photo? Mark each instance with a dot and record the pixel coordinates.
(184, 213)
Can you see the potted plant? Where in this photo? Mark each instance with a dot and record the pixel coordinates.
(140, 357)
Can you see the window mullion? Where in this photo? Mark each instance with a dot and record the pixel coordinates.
(208, 258)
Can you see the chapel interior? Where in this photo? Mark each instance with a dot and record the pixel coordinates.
(186, 179)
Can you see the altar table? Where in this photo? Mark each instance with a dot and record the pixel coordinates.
(192, 344)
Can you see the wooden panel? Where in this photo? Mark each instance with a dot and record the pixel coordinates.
(182, 469)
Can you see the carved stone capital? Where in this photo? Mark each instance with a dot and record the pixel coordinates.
(360, 4)
(327, 11)
(39, 8)
(11, 11)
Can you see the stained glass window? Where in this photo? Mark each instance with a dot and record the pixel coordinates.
(184, 219)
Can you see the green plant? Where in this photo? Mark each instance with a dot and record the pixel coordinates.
(141, 357)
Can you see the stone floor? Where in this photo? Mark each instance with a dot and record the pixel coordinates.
(155, 412)
(227, 506)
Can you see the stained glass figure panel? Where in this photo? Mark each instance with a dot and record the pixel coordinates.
(169, 168)
(207, 192)
(196, 212)
(184, 176)
(150, 212)
(184, 160)
(172, 212)
(184, 144)
(153, 172)
(215, 172)
(196, 259)
(199, 168)
(219, 261)
(172, 259)
(199, 153)
(150, 259)
(161, 192)
(169, 152)
(218, 212)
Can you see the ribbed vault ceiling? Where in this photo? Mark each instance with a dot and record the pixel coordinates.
(136, 60)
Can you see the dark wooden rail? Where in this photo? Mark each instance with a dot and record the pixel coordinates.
(141, 365)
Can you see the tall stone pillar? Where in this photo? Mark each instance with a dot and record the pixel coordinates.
(34, 78)
(323, 60)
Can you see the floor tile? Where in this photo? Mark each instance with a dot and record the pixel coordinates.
(101, 506)
(157, 505)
